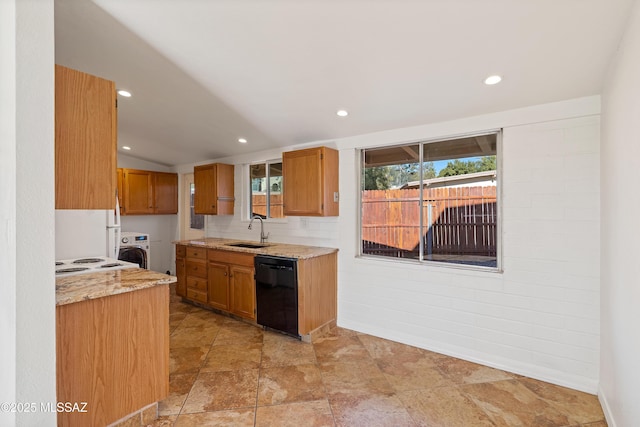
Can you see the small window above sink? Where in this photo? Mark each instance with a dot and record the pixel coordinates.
(247, 245)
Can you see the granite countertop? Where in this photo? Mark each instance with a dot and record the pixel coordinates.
(89, 286)
(272, 248)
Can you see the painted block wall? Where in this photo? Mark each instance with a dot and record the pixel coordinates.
(540, 316)
(620, 162)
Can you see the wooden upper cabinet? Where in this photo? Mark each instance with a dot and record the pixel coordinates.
(85, 140)
(310, 182)
(213, 189)
(148, 192)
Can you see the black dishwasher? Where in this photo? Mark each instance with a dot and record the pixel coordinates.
(277, 293)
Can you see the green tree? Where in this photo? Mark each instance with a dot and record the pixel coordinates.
(376, 178)
(460, 167)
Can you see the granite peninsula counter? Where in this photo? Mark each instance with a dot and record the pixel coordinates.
(100, 284)
(112, 345)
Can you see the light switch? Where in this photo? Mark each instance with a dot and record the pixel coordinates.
(336, 196)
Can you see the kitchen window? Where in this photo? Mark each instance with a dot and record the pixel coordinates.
(434, 201)
(266, 189)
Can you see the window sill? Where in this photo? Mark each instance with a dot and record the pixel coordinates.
(367, 259)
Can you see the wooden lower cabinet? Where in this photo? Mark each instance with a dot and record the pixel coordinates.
(113, 354)
(218, 285)
(243, 291)
(231, 283)
(181, 271)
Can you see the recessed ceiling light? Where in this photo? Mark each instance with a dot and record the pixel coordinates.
(124, 93)
(492, 80)
(342, 113)
(126, 147)
(242, 140)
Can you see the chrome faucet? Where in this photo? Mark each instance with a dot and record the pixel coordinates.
(263, 237)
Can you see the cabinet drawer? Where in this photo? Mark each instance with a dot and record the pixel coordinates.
(196, 295)
(196, 253)
(231, 257)
(197, 283)
(196, 268)
(181, 251)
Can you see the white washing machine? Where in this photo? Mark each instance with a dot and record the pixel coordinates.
(135, 247)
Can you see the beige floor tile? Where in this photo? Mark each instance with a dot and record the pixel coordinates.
(353, 379)
(380, 348)
(370, 411)
(463, 372)
(290, 384)
(340, 349)
(236, 332)
(308, 414)
(580, 407)
(412, 372)
(214, 391)
(179, 388)
(443, 406)
(184, 360)
(164, 421)
(194, 336)
(509, 403)
(233, 357)
(281, 350)
(230, 418)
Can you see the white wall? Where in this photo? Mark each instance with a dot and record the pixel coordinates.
(162, 229)
(620, 163)
(541, 316)
(27, 210)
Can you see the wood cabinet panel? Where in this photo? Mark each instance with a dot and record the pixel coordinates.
(310, 180)
(149, 192)
(218, 292)
(214, 189)
(85, 140)
(165, 192)
(196, 268)
(181, 271)
(112, 353)
(317, 292)
(242, 291)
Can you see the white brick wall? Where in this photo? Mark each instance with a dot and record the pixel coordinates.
(540, 317)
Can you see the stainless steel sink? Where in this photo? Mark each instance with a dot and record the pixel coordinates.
(248, 245)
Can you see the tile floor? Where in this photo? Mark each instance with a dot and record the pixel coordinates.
(224, 372)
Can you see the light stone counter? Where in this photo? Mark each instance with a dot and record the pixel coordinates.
(90, 286)
(273, 249)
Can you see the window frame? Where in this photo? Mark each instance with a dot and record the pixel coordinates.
(421, 261)
(248, 187)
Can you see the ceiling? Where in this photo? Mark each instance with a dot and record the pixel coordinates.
(204, 73)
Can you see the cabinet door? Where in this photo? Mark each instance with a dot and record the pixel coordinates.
(181, 274)
(165, 192)
(204, 198)
(138, 195)
(302, 176)
(243, 291)
(218, 291)
(85, 141)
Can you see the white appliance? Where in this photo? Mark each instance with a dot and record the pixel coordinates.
(72, 267)
(135, 247)
(87, 233)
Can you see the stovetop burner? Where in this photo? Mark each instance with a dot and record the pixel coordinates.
(88, 260)
(76, 266)
(113, 264)
(71, 270)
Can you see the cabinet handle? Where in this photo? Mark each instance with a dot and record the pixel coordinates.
(225, 273)
(213, 206)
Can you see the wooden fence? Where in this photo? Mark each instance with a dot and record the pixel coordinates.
(259, 205)
(460, 221)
